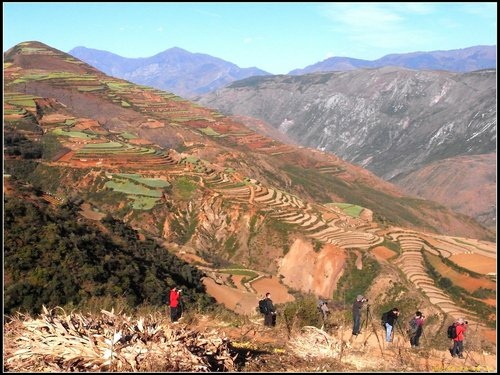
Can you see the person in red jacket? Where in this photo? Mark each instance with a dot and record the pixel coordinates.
(175, 296)
(458, 342)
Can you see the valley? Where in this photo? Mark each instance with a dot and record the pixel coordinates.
(252, 213)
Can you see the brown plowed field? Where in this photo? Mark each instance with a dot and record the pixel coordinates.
(243, 302)
(234, 299)
(470, 284)
(475, 262)
(271, 284)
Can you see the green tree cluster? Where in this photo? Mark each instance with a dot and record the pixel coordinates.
(54, 257)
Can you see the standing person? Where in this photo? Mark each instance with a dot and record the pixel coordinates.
(324, 310)
(458, 341)
(175, 296)
(270, 312)
(416, 328)
(391, 320)
(356, 314)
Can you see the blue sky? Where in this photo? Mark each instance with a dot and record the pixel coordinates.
(275, 37)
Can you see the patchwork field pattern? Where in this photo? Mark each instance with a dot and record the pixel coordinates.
(142, 171)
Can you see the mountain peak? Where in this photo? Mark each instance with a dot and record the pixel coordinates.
(177, 70)
(37, 55)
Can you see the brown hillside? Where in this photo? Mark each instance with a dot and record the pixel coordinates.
(466, 184)
(205, 184)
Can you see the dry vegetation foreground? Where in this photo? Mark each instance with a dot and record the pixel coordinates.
(56, 341)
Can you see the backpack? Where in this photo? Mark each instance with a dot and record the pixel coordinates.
(452, 331)
(263, 306)
(384, 319)
(413, 325)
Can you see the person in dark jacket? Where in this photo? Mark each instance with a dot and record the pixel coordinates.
(392, 317)
(356, 314)
(270, 314)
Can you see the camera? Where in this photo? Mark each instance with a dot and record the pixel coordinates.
(365, 299)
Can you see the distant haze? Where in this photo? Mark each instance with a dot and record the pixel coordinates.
(190, 74)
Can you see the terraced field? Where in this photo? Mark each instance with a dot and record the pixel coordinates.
(291, 209)
(411, 262)
(117, 148)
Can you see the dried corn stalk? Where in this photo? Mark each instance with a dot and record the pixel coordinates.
(111, 342)
(312, 342)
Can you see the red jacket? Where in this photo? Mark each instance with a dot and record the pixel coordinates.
(174, 298)
(461, 328)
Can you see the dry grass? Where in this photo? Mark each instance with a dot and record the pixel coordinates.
(112, 342)
(322, 344)
(109, 342)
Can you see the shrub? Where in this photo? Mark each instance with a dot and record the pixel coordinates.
(301, 312)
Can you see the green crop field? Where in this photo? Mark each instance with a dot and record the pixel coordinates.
(105, 146)
(90, 88)
(130, 187)
(242, 272)
(128, 135)
(72, 134)
(69, 122)
(143, 203)
(191, 159)
(151, 182)
(210, 131)
(348, 208)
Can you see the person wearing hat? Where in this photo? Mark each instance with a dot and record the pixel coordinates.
(458, 341)
(356, 314)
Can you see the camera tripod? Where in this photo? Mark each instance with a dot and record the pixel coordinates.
(467, 351)
(374, 329)
(405, 335)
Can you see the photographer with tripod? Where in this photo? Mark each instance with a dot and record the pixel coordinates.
(390, 319)
(458, 340)
(356, 314)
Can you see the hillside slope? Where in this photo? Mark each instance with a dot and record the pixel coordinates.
(232, 201)
(467, 184)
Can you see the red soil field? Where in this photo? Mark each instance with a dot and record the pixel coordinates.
(475, 262)
(383, 252)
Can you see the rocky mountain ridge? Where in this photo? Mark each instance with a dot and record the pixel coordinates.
(392, 121)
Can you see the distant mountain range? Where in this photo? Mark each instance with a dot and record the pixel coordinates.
(457, 60)
(393, 121)
(193, 74)
(176, 70)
